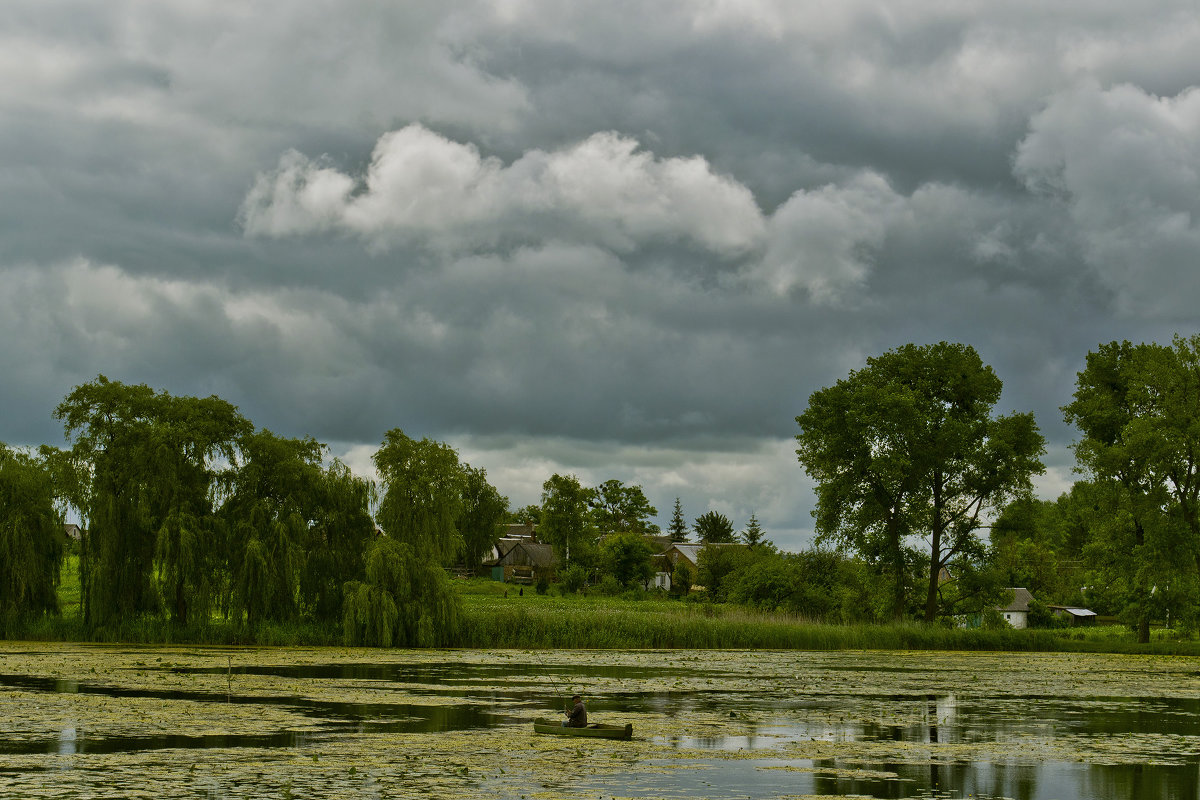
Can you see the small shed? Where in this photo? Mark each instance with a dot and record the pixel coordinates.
(1077, 616)
(1016, 613)
(73, 531)
(525, 561)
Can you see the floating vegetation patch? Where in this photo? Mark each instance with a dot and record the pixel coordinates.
(111, 721)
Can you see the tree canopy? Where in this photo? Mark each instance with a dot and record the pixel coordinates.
(713, 527)
(1138, 410)
(407, 599)
(566, 523)
(31, 536)
(908, 446)
(619, 508)
(154, 462)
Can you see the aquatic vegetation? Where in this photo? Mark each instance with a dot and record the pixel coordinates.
(113, 721)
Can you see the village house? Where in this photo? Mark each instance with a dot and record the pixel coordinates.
(1016, 613)
(686, 552)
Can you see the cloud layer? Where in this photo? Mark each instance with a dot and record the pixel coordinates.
(625, 240)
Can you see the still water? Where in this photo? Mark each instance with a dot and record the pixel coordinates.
(94, 721)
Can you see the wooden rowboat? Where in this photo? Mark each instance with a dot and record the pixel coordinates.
(594, 730)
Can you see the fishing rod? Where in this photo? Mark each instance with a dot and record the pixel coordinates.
(557, 688)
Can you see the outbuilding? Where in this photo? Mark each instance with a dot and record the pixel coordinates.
(1016, 613)
(1077, 616)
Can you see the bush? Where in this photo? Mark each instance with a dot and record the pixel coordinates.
(681, 578)
(610, 586)
(993, 620)
(542, 585)
(572, 579)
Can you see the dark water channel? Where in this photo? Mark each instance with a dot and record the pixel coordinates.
(490, 695)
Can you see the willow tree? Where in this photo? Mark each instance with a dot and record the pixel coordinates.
(265, 514)
(152, 460)
(484, 509)
(908, 447)
(406, 598)
(31, 538)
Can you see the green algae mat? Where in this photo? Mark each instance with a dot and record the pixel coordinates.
(166, 722)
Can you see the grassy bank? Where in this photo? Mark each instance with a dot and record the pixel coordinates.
(504, 616)
(565, 622)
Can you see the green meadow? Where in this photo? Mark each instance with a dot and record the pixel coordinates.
(497, 615)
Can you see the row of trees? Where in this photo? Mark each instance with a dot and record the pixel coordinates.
(911, 464)
(191, 512)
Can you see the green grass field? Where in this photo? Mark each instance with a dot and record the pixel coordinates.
(497, 615)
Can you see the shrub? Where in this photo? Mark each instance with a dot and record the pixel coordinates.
(572, 579)
(610, 586)
(993, 620)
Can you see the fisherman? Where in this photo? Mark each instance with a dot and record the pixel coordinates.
(577, 716)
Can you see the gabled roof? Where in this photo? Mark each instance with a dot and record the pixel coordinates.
(535, 553)
(689, 551)
(1020, 601)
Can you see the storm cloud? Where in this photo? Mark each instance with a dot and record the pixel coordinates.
(624, 240)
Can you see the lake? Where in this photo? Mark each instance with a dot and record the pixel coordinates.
(166, 722)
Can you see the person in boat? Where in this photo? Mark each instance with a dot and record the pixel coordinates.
(577, 716)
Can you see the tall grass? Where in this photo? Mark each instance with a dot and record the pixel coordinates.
(608, 624)
(495, 615)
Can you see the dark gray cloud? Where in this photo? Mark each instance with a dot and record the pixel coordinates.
(616, 239)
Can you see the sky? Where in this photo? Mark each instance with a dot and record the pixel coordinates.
(620, 240)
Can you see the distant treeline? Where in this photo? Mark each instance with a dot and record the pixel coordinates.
(194, 515)
(911, 465)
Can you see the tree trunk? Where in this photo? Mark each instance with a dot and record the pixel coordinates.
(935, 553)
(180, 603)
(1143, 624)
(897, 571)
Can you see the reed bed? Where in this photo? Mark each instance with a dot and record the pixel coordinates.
(608, 624)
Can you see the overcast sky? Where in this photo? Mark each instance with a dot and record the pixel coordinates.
(616, 239)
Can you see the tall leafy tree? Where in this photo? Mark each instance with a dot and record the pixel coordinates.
(713, 527)
(627, 557)
(484, 510)
(340, 533)
(566, 520)
(527, 515)
(678, 528)
(31, 537)
(298, 530)
(407, 599)
(908, 446)
(153, 461)
(620, 508)
(1138, 410)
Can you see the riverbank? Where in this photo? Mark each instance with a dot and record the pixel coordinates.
(499, 616)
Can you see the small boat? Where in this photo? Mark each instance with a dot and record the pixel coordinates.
(595, 730)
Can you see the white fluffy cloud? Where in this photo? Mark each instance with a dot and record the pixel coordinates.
(1127, 164)
(825, 240)
(423, 186)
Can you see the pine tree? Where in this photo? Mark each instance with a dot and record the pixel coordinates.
(754, 533)
(678, 529)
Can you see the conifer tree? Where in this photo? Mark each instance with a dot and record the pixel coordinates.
(678, 528)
